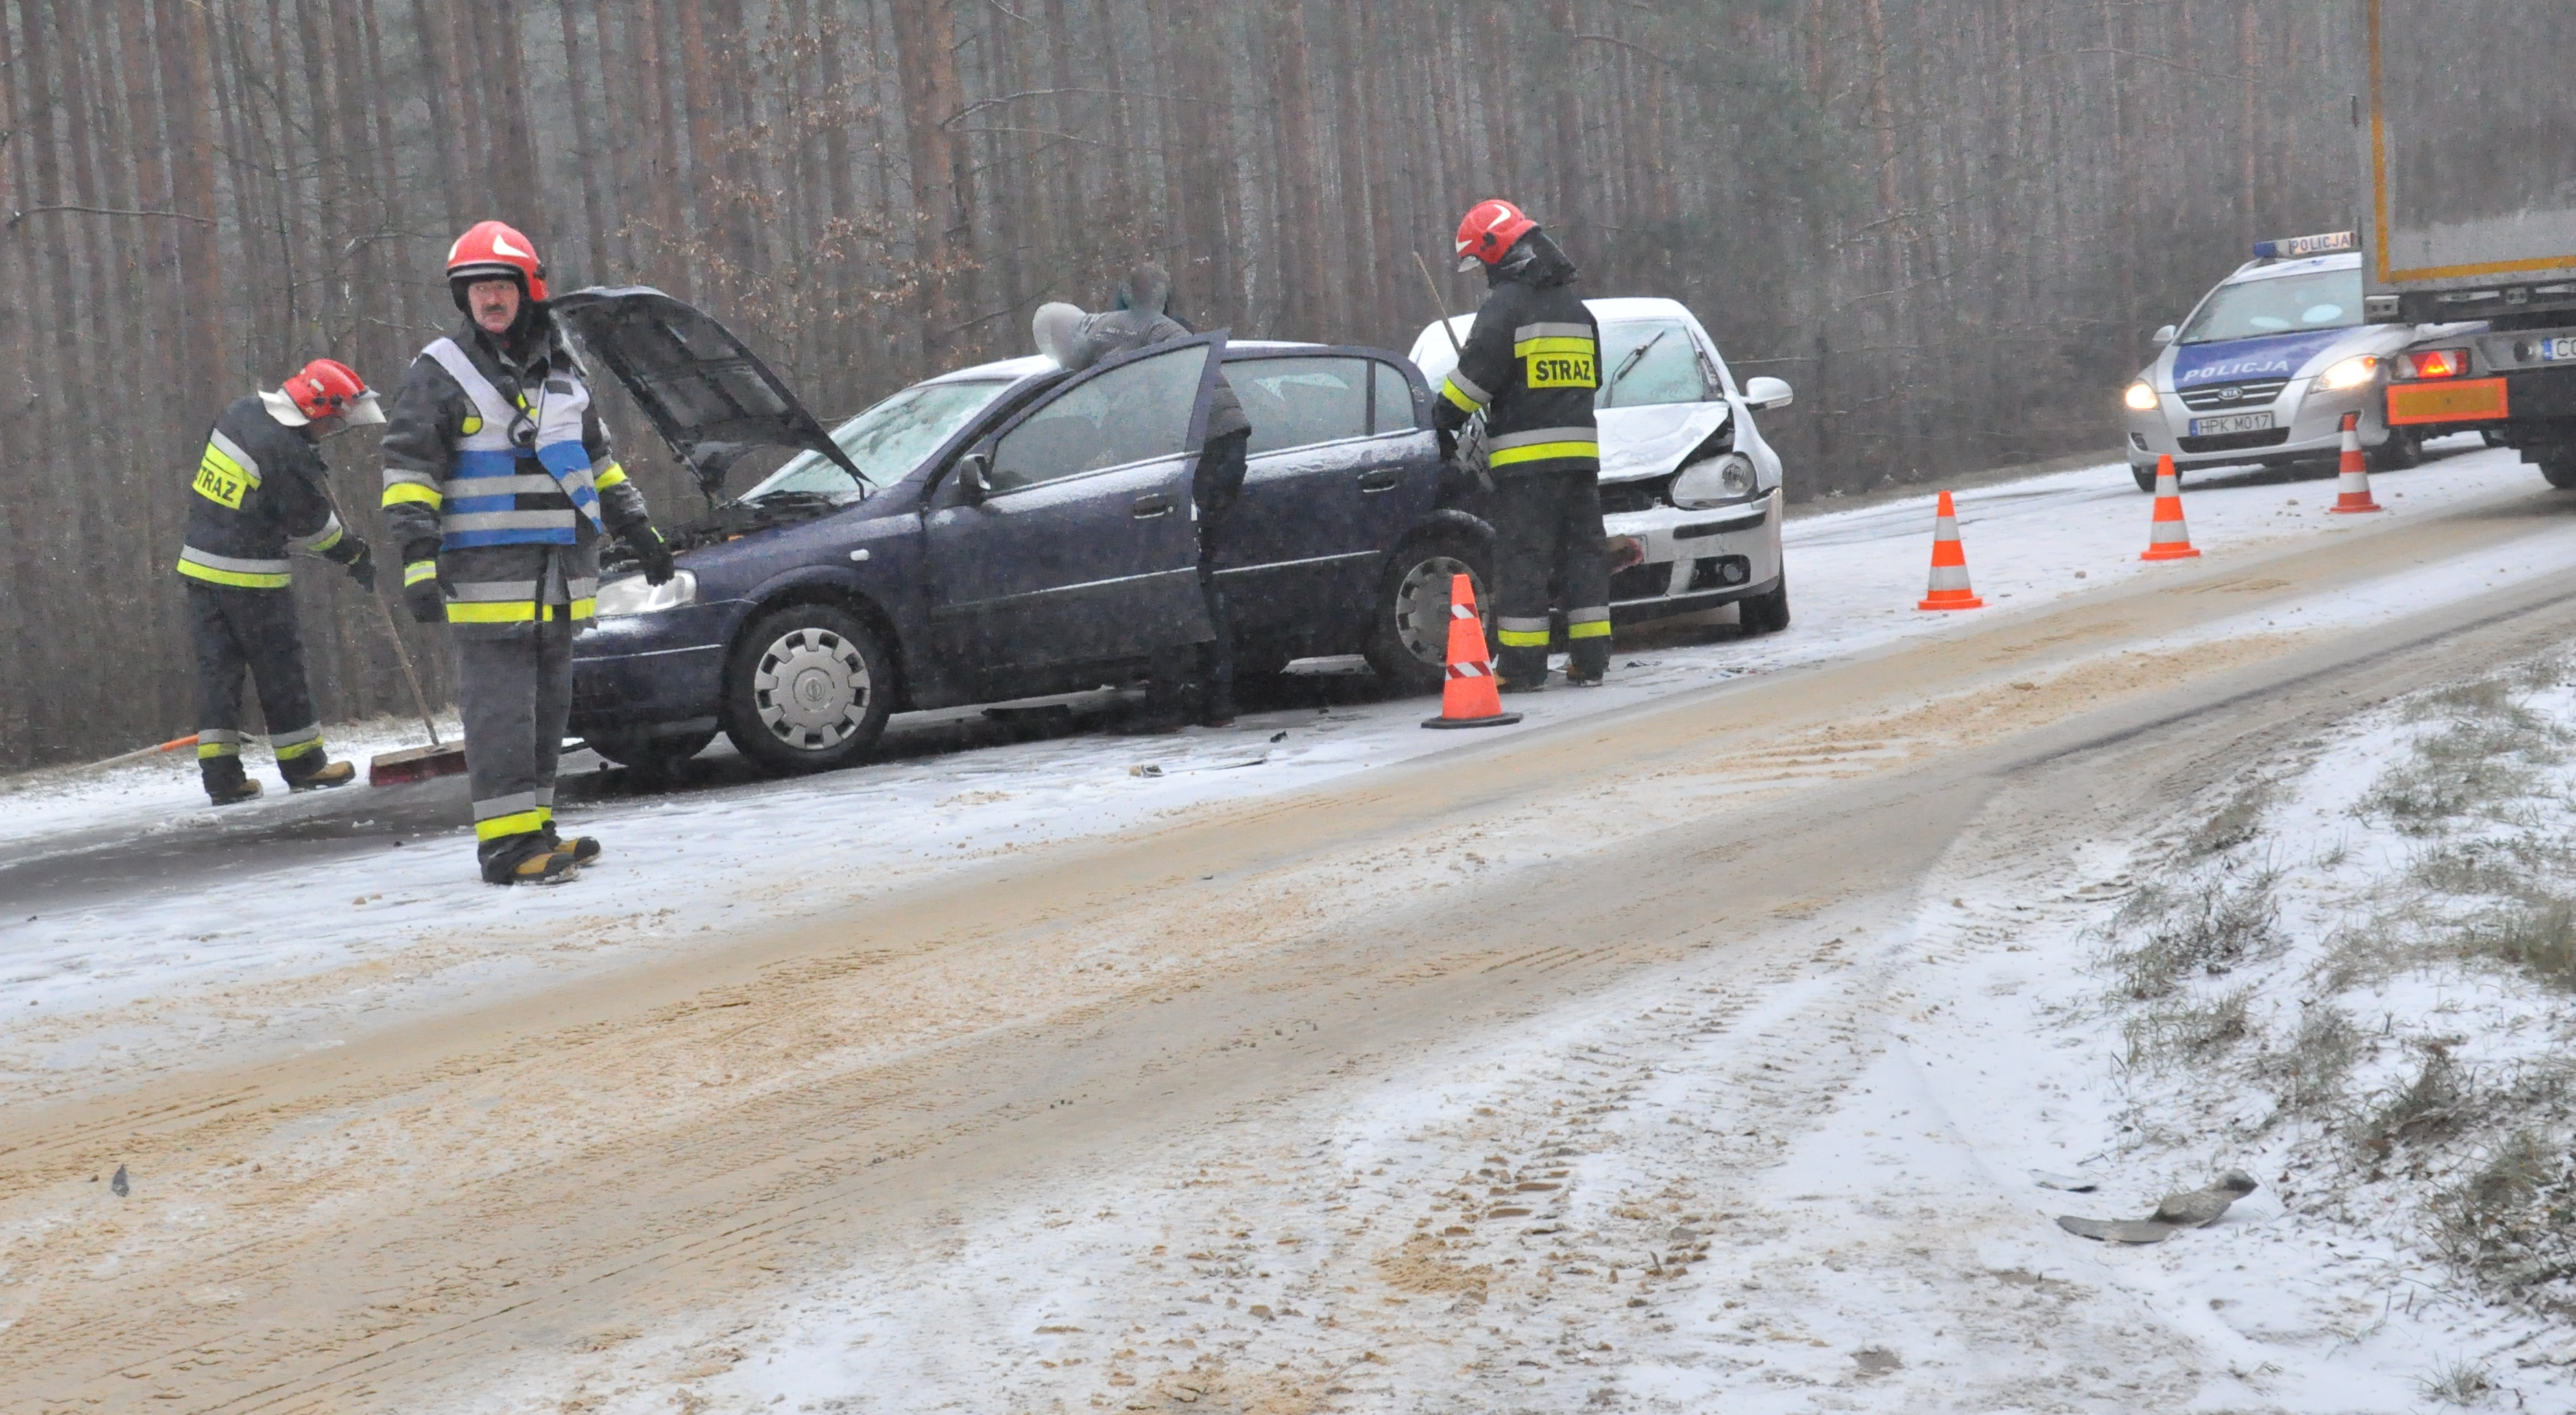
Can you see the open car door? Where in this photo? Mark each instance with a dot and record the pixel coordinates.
(709, 395)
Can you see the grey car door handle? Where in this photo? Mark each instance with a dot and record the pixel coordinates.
(1148, 507)
(1373, 482)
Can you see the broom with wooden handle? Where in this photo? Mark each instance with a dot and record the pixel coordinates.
(412, 763)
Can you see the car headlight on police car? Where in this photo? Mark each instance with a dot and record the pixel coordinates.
(2351, 373)
(1715, 482)
(631, 595)
(2141, 397)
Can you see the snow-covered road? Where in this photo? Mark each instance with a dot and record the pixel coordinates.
(1694, 1059)
(167, 933)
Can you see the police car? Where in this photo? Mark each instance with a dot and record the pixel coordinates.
(2267, 364)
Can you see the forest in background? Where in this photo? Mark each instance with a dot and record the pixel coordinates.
(1948, 223)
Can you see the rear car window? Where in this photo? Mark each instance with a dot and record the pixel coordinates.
(1650, 362)
(1302, 401)
(1135, 412)
(1394, 401)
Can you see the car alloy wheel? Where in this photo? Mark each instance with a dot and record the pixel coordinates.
(811, 689)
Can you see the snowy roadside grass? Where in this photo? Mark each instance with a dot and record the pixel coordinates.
(2360, 971)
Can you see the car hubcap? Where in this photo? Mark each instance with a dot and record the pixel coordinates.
(1422, 607)
(812, 689)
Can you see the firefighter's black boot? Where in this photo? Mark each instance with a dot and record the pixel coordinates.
(319, 778)
(225, 783)
(580, 849)
(530, 861)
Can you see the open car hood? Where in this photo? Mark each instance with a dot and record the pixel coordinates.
(710, 397)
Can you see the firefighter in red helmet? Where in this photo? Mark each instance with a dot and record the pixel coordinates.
(499, 482)
(1531, 365)
(260, 491)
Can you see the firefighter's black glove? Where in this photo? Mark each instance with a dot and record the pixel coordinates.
(654, 556)
(1448, 446)
(421, 595)
(362, 566)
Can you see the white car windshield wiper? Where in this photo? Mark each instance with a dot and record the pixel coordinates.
(1639, 353)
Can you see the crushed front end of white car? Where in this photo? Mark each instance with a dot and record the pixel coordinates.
(1685, 473)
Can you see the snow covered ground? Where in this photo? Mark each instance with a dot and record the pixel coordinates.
(1685, 1194)
(183, 971)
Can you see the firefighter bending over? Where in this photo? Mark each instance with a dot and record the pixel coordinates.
(261, 491)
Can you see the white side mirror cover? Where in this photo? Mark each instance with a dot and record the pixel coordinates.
(1766, 393)
(2164, 336)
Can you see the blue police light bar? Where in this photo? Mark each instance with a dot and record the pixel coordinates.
(2322, 243)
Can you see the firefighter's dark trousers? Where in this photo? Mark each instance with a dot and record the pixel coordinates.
(514, 691)
(238, 631)
(1547, 533)
(1214, 488)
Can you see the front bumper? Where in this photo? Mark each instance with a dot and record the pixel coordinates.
(2307, 424)
(1696, 559)
(645, 670)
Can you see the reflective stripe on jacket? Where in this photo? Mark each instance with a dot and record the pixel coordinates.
(514, 533)
(256, 495)
(1532, 364)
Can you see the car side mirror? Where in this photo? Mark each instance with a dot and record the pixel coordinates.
(2164, 336)
(1766, 393)
(975, 476)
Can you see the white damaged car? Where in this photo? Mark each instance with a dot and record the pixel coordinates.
(1685, 474)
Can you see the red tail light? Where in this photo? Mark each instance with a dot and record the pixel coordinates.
(2433, 363)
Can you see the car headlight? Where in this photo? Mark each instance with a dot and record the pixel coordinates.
(2351, 373)
(631, 595)
(1715, 482)
(2141, 397)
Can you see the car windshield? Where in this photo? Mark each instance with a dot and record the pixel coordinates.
(2284, 304)
(1650, 362)
(886, 441)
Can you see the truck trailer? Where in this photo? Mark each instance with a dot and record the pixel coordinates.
(2467, 134)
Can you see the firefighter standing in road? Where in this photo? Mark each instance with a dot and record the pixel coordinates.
(499, 481)
(261, 491)
(1077, 341)
(1532, 364)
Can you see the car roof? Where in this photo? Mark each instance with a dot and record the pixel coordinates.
(1031, 365)
(1627, 307)
(2307, 265)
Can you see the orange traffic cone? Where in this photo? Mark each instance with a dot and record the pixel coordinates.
(1468, 699)
(2352, 485)
(2167, 537)
(1948, 587)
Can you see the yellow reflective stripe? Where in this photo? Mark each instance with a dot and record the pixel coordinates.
(1591, 629)
(206, 750)
(585, 608)
(1522, 638)
(1450, 390)
(611, 475)
(236, 578)
(1527, 347)
(328, 541)
(296, 749)
(418, 571)
(515, 823)
(403, 491)
(1544, 451)
(466, 611)
(471, 425)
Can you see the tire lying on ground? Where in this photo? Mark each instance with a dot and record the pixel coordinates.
(652, 758)
(809, 688)
(1408, 642)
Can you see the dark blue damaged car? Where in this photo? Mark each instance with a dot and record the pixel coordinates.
(1000, 532)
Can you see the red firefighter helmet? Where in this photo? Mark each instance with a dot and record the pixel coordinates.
(1488, 230)
(324, 388)
(492, 249)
